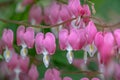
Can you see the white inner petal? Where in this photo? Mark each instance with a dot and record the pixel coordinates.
(46, 58)
(69, 54)
(17, 71)
(24, 51)
(91, 49)
(7, 55)
(73, 23)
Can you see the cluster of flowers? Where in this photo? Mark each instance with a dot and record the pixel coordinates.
(79, 34)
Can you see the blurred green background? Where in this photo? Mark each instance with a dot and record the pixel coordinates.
(108, 10)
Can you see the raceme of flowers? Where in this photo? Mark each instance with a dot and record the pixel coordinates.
(79, 34)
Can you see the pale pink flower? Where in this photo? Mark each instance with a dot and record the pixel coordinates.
(35, 15)
(67, 42)
(45, 44)
(33, 73)
(52, 74)
(25, 38)
(7, 39)
(84, 79)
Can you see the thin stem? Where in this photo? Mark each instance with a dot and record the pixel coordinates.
(37, 26)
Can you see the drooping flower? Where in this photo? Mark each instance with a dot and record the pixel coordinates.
(33, 70)
(117, 38)
(90, 35)
(67, 42)
(25, 38)
(17, 64)
(35, 15)
(45, 44)
(84, 78)
(52, 74)
(7, 39)
(105, 44)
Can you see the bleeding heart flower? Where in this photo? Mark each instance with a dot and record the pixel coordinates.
(25, 38)
(67, 42)
(35, 15)
(45, 45)
(117, 38)
(105, 44)
(52, 74)
(7, 39)
(90, 35)
(33, 70)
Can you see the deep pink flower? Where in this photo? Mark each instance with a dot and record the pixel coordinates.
(117, 38)
(90, 32)
(74, 6)
(35, 15)
(46, 45)
(52, 74)
(67, 78)
(105, 43)
(33, 73)
(90, 35)
(25, 38)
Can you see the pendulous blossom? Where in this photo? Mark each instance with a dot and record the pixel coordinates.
(35, 15)
(25, 38)
(45, 44)
(52, 74)
(7, 39)
(73, 40)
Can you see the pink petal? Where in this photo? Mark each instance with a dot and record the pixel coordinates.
(99, 39)
(74, 6)
(49, 43)
(84, 79)
(63, 35)
(54, 12)
(74, 39)
(66, 15)
(13, 63)
(91, 32)
(117, 36)
(20, 33)
(29, 37)
(67, 78)
(33, 73)
(23, 63)
(36, 14)
(7, 37)
(95, 79)
(82, 36)
(39, 43)
(87, 10)
(52, 74)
